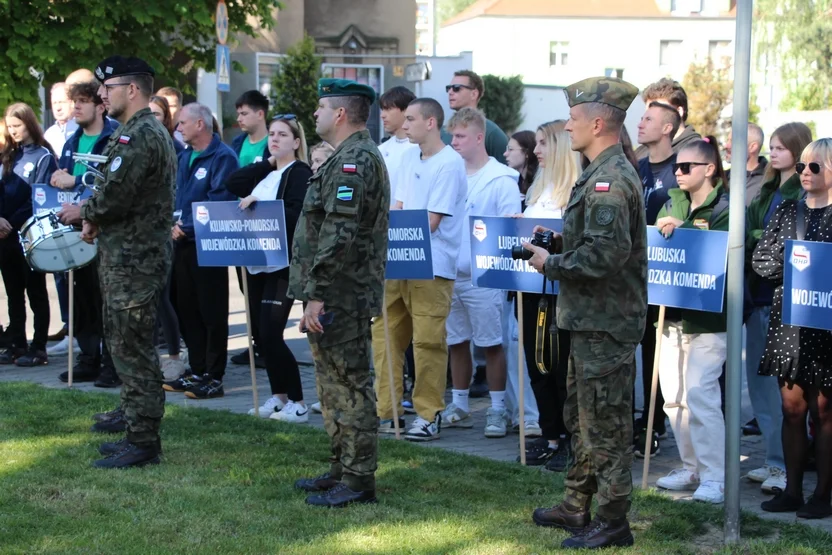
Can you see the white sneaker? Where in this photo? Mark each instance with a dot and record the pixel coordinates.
(776, 481)
(759, 474)
(316, 407)
(172, 369)
(496, 421)
(710, 492)
(272, 405)
(422, 430)
(680, 479)
(455, 417)
(292, 412)
(62, 347)
(532, 429)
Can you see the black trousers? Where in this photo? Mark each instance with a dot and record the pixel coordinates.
(648, 357)
(268, 293)
(255, 321)
(202, 303)
(549, 388)
(21, 281)
(89, 319)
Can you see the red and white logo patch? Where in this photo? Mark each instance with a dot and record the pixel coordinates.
(602, 187)
(124, 139)
(349, 168)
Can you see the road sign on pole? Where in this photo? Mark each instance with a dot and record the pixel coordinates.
(221, 22)
(223, 68)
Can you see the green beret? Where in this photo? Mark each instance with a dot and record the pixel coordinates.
(606, 90)
(116, 66)
(344, 87)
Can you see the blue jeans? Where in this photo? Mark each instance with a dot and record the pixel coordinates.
(764, 391)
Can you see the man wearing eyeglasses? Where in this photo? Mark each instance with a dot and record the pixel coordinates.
(129, 215)
(465, 91)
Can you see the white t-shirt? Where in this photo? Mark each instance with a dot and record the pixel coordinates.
(439, 185)
(57, 135)
(544, 207)
(393, 151)
(267, 190)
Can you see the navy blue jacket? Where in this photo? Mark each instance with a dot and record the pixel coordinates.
(204, 180)
(655, 199)
(71, 146)
(32, 164)
(237, 145)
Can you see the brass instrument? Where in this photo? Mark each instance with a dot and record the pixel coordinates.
(87, 160)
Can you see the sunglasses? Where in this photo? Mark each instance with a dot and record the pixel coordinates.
(457, 88)
(284, 116)
(814, 167)
(685, 166)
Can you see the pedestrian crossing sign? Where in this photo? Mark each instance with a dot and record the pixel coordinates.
(223, 69)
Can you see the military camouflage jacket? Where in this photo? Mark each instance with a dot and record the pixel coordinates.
(603, 267)
(340, 245)
(133, 206)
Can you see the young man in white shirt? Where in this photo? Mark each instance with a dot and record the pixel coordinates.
(433, 179)
(393, 104)
(476, 313)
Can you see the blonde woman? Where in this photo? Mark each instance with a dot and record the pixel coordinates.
(547, 197)
(319, 154)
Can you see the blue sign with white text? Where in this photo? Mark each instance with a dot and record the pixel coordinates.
(807, 296)
(492, 266)
(46, 197)
(228, 236)
(408, 245)
(687, 270)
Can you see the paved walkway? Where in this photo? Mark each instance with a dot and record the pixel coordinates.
(238, 399)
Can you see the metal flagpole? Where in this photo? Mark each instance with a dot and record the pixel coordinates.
(521, 369)
(736, 266)
(251, 362)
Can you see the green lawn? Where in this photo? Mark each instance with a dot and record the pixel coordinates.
(225, 486)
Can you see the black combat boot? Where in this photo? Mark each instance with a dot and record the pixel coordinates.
(601, 533)
(112, 447)
(571, 519)
(114, 414)
(130, 455)
(116, 425)
(324, 482)
(341, 496)
(107, 378)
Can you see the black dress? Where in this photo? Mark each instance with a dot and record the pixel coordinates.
(793, 354)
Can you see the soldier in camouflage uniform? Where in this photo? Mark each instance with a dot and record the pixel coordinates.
(337, 270)
(602, 269)
(130, 214)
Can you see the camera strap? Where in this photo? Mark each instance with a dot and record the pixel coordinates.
(543, 333)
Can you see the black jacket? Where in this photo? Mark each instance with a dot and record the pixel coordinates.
(292, 190)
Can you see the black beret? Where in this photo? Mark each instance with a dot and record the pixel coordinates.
(115, 66)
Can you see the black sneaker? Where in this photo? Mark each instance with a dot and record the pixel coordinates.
(814, 508)
(562, 458)
(782, 503)
(11, 354)
(80, 373)
(242, 359)
(128, 456)
(538, 452)
(207, 389)
(117, 425)
(639, 441)
(33, 357)
(640, 426)
(112, 447)
(107, 378)
(114, 414)
(183, 383)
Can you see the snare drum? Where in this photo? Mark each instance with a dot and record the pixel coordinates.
(50, 246)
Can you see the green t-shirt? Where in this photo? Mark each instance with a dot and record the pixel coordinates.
(194, 154)
(85, 145)
(250, 152)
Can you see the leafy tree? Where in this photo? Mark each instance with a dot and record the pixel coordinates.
(795, 37)
(295, 85)
(503, 101)
(446, 9)
(54, 38)
(709, 88)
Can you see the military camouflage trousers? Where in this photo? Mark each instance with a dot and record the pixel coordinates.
(130, 306)
(348, 403)
(599, 413)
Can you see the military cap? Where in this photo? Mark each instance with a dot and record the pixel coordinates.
(606, 90)
(344, 87)
(116, 66)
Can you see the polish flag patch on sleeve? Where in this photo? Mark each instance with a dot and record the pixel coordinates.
(124, 139)
(602, 187)
(349, 168)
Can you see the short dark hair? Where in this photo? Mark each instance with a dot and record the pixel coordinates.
(613, 117)
(170, 91)
(430, 108)
(253, 99)
(357, 107)
(397, 97)
(86, 91)
(143, 82)
(476, 80)
(669, 90)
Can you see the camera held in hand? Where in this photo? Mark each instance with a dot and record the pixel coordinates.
(542, 239)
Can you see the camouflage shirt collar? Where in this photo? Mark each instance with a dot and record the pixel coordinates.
(144, 112)
(354, 138)
(608, 153)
